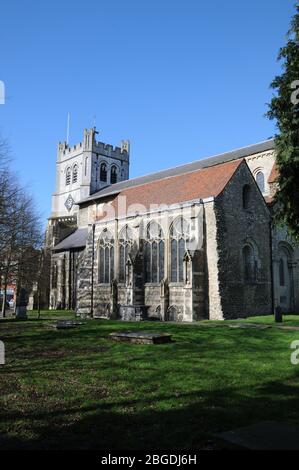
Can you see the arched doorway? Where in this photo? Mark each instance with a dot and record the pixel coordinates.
(285, 278)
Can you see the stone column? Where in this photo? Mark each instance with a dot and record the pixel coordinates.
(114, 300)
(164, 298)
(212, 256)
(188, 287)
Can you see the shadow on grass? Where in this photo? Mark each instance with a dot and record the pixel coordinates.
(179, 427)
(86, 346)
(53, 387)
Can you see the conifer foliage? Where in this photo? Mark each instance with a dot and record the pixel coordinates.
(284, 108)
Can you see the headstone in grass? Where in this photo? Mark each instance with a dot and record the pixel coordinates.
(21, 305)
(66, 324)
(278, 314)
(266, 435)
(249, 326)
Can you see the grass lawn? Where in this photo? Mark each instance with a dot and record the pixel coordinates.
(76, 389)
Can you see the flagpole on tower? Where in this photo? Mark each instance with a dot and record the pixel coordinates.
(68, 128)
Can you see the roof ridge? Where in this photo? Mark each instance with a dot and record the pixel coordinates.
(195, 161)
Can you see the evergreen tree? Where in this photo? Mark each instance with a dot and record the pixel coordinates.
(284, 108)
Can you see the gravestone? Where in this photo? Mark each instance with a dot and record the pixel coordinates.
(66, 324)
(133, 312)
(21, 305)
(278, 314)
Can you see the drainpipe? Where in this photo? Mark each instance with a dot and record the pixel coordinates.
(70, 281)
(92, 269)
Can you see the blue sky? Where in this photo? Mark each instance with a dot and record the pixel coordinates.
(180, 79)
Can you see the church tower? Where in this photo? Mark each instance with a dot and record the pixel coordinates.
(82, 170)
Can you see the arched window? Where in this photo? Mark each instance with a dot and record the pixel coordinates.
(86, 165)
(54, 275)
(75, 173)
(179, 235)
(249, 264)
(246, 196)
(106, 257)
(281, 273)
(68, 176)
(103, 172)
(154, 253)
(125, 241)
(260, 180)
(113, 177)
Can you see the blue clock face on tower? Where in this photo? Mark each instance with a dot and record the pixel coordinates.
(69, 202)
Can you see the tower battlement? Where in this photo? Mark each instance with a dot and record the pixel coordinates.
(90, 143)
(64, 147)
(111, 151)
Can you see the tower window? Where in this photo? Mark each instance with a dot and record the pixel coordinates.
(75, 173)
(113, 178)
(68, 177)
(103, 172)
(246, 196)
(260, 179)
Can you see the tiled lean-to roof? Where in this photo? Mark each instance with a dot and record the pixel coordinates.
(76, 240)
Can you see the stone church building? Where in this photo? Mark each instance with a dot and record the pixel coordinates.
(193, 242)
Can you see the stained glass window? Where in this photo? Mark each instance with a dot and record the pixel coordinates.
(179, 235)
(106, 257)
(154, 253)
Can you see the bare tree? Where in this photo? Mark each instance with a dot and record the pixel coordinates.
(20, 232)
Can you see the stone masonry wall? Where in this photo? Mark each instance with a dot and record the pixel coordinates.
(183, 301)
(237, 227)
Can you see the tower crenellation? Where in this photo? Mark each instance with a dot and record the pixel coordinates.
(84, 168)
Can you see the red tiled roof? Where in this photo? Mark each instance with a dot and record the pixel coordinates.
(274, 174)
(198, 184)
